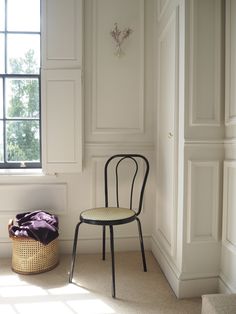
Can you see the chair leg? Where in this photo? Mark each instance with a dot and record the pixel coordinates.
(74, 251)
(104, 243)
(141, 244)
(112, 262)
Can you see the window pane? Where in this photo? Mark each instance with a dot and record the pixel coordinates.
(2, 54)
(22, 141)
(23, 54)
(23, 15)
(1, 98)
(2, 15)
(22, 98)
(1, 142)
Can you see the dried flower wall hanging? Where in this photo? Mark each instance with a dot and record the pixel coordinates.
(119, 37)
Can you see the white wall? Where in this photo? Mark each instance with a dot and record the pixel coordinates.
(190, 143)
(117, 118)
(228, 254)
(194, 235)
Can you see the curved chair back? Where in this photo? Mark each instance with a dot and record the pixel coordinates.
(121, 158)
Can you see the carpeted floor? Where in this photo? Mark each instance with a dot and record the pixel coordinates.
(137, 292)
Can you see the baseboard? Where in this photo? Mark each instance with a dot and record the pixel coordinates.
(197, 287)
(168, 268)
(224, 286)
(88, 245)
(187, 288)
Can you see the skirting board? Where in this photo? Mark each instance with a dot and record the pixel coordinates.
(88, 245)
(224, 286)
(183, 288)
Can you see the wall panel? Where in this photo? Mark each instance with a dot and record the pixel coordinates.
(62, 37)
(203, 201)
(62, 120)
(230, 75)
(16, 198)
(204, 89)
(229, 213)
(118, 82)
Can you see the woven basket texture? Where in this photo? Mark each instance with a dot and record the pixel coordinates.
(32, 257)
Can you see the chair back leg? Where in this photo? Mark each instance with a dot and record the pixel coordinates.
(74, 251)
(104, 243)
(141, 244)
(112, 262)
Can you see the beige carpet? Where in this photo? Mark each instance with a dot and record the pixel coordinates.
(137, 292)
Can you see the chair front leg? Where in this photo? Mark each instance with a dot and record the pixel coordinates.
(104, 243)
(141, 244)
(74, 251)
(112, 262)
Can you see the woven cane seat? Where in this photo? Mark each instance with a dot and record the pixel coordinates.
(107, 215)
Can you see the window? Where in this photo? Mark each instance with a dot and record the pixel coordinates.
(20, 144)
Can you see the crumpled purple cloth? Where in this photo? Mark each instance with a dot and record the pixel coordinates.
(38, 225)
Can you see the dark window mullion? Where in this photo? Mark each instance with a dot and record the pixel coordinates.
(5, 37)
(4, 123)
(24, 75)
(22, 33)
(22, 119)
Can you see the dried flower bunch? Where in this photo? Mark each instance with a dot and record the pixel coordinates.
(119, 37)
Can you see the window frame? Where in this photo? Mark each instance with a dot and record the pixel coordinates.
(4, 76)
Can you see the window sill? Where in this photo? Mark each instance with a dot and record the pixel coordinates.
(21, 172)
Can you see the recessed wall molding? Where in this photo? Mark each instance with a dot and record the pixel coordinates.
(146, 146)
(230, 65)
(204, 142)
(203, 201)
(17, 198)
(205, 94)
(229, 200)
(117, 83)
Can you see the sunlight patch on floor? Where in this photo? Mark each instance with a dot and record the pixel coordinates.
(94, 306)
(11, 280)
(66, 299)
(7, 309)
(21, 291)
(43, 307)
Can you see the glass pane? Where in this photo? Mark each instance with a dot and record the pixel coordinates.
(2, 15)
(23, 54)
(22, 138)
(2, 54)
(23, 15)
(1, 142)
(1, 98)
(22, 98)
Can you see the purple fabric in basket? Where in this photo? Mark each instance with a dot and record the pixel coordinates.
(38, 225)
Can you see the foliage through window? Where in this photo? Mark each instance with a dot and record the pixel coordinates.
(20, 144)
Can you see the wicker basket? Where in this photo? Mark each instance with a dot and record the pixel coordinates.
(32, 257)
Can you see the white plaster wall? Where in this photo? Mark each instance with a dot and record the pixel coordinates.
(227, 281)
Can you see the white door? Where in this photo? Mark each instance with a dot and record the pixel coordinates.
(167, 137)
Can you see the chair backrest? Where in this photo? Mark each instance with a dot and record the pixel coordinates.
(114, 164)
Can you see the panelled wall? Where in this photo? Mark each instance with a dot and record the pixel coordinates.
(190, 143)
(94, 104)
(228, 254)
(203, 149)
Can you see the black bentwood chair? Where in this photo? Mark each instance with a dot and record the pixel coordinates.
(118, 215)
